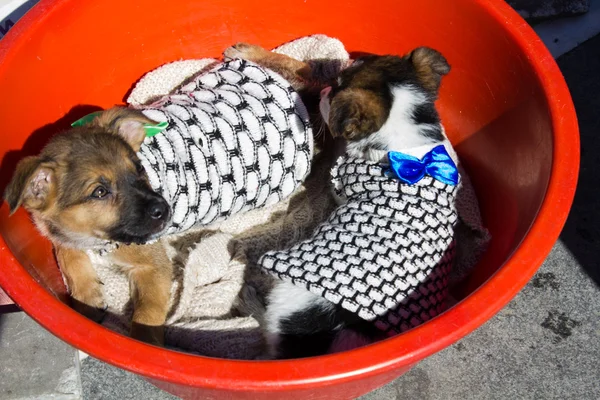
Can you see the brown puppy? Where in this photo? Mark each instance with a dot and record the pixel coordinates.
(87, 189)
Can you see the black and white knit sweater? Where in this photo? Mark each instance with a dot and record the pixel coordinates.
(238, 138)
(385, 254)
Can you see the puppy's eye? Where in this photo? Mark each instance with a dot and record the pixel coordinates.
(100, 192)
(139, 168)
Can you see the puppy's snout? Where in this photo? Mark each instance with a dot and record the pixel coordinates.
(325, 92)
(158, 210)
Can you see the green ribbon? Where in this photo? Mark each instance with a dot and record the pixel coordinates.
(151, 130)
(87, 119)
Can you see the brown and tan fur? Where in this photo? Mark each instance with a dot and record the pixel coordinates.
(361, 100)
(57, 188)
(60, 189)
(297, 72)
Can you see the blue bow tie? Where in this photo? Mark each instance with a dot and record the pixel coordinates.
(437, 164)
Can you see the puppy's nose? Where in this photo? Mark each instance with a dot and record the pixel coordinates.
(325, 92)
(158, 210)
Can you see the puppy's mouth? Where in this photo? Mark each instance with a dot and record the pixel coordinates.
(124, 234)
(134, 237)
(127, 238)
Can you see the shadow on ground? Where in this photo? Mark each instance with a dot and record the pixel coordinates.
(582, 231)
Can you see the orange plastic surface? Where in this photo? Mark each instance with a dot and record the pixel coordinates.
(505, 106)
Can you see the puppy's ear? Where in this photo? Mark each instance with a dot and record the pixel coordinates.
(430, 65)
(127, 123)
(356, 113)
(31, 184)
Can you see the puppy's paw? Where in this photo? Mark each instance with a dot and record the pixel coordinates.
(245, 51)
(150, 334)
(93, 312)
(249, 302)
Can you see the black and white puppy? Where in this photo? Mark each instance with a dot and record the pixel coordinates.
(380, 104)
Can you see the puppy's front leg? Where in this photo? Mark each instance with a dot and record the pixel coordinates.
(150, 294)
(82, 281)
(297, 72)
(150, 278)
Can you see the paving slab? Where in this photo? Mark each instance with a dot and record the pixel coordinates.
(35, 364)
(101, 381)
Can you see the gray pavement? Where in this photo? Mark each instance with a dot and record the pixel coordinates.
(544, 345)
(35, 364)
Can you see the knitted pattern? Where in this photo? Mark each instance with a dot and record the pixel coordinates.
(238, 138)
(385, 254)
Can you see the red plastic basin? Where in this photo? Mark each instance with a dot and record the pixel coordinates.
(505, 106)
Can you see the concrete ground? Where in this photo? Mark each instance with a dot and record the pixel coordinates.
(544, 345)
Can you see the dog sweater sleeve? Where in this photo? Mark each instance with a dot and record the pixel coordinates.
(385, 254)
(238, 138)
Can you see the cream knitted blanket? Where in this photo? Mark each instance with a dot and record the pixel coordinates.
(217, 294)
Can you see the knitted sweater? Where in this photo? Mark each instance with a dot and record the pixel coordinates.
(238, 138)
(385, 254)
